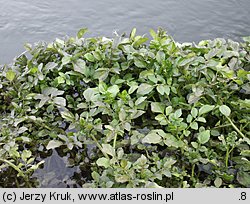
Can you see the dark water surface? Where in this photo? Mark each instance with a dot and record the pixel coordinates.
(187, 20)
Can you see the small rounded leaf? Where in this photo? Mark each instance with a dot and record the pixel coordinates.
(204, 136)
(10, 75)
(103, 162)
(218, 182)
(152, 138)
(225, 110)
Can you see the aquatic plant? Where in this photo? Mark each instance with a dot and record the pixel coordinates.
(139, 114)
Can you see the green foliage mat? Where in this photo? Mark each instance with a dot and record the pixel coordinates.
(139, 114)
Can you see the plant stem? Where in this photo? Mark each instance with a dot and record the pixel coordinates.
(227, 156)
(234, 126)
(192, 174)
(98, 145)
(222, 126)
(114, 143)
(13, 166)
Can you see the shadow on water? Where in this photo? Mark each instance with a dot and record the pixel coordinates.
(60, 171)
(56, 172)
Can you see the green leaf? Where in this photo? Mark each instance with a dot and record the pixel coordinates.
(127, 126)
(204, 136)
(218, 182)
(43, 99)
(89, 94)
(139, 40)
(194, 125)
(26, 154)
(97, 55)
(201, 119)
(140, 63)
(194, 112)
(103, 162)
(185, 61)
(108, 149)
(89, 57)
(163, 89)
(225, 110)
(153, 34)
(60, 80)
(195, 145)
(113, 90)
(168, 110)
(132, 34)
(246, 39)
(66, 60)
(144, 89)
(80, 66)
(161, 119)
(136, 113)
(152, 138)
(189, 118)
(122, 178)
(122, 115)
(60, 101)
(172, 141)
(152, 185)
(101, 74)
(160, 56)
(243, 178)
(133, 87)
(10, 75)
(178, 113)
(205, 109)
(102, 87)
(22, 130)
(141, 161)
(66, 114)
(53, 144)
(95, 176)
(81, 32)
(52, 92)
(157, 107)
(28, 46)
(140, 100)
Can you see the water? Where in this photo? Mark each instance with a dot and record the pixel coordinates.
(187, 20)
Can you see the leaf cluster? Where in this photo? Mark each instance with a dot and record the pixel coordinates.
(161, 114)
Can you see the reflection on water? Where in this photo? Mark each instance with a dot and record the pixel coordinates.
(62, 171)
(56, 172)
(33, 20)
